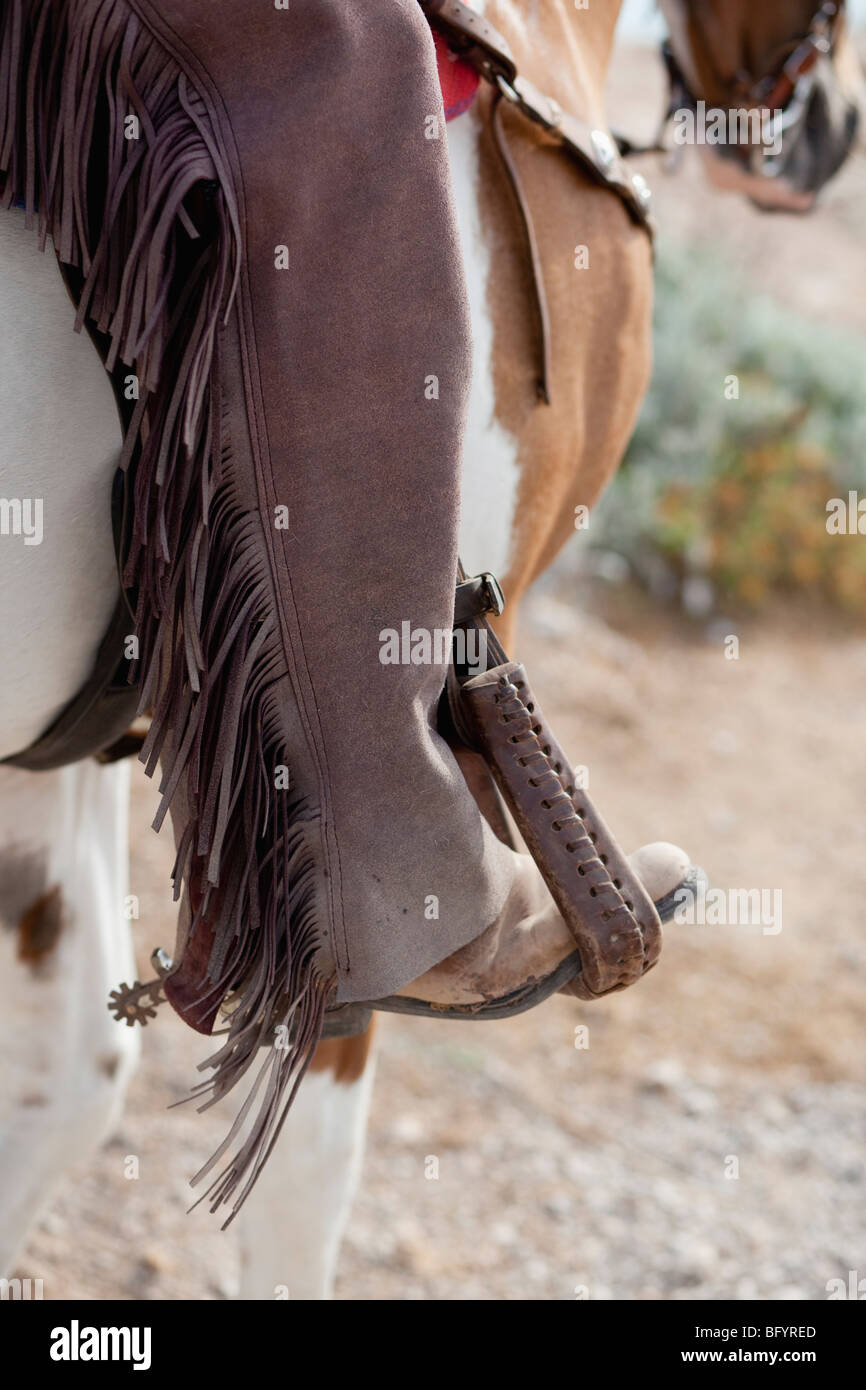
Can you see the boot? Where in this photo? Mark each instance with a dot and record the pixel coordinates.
(528, 953)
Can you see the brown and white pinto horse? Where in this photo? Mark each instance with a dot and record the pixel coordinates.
(63, 836)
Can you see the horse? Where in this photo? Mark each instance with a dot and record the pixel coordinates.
(804, 74)
(529, 467)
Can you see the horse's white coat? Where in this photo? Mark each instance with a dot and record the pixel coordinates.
(58, 447)
(66, 1063)
(293, 1222)
(490, 471)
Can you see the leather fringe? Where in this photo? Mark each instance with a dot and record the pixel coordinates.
(116, 159)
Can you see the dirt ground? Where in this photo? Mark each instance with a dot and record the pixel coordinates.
(607, 1167)
(709, 1141)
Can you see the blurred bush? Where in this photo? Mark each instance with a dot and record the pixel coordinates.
(728, 497)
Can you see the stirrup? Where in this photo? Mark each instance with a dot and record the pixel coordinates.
(615, 924)
(520, 1000)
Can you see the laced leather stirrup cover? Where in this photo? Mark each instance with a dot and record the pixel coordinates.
(609, 912)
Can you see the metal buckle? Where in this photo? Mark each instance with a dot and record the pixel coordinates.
(642, 189)
(475, 596)
(494, 597)
(507, 90)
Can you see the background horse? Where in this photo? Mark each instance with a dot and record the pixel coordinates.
(63, 835)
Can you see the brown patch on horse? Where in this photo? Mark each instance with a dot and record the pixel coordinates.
(107, 1063)
(40, 926)
(600, 316)
(345, 1057)
(33, 1100)
(23, 878)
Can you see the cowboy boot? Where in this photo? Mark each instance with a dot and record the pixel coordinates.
(528, 952)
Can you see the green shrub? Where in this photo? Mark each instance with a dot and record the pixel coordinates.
(736, 489)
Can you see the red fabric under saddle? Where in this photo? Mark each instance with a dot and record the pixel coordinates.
(459, 81)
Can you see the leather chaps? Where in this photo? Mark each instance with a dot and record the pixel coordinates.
(258, 234)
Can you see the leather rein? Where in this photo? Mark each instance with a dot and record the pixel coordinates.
(779, 87)
(595, 151)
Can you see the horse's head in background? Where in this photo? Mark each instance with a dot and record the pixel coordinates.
(788, 71)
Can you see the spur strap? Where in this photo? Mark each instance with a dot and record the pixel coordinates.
(607, 909)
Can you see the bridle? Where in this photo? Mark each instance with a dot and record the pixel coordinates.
(596, 151)
(778, 88)
(783, 91)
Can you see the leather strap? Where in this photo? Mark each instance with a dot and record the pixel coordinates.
(593, 149)
(96, 720)
(478, 43)
(542, 313)
(345, 1021)
(472, 36)
(776, 93)
(678, 96)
